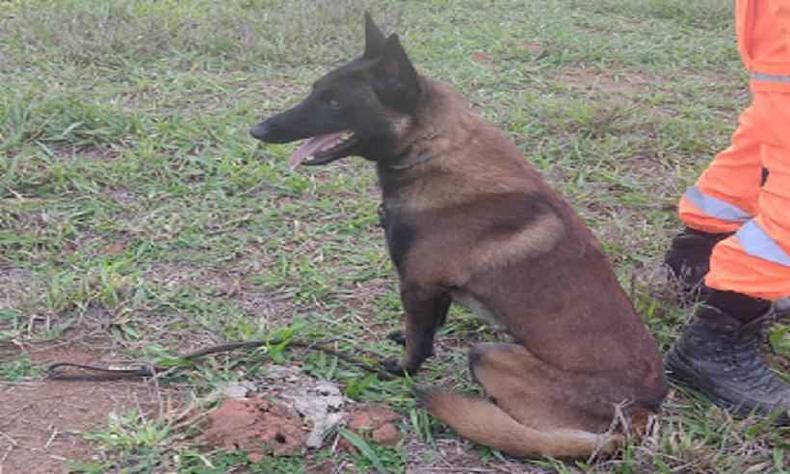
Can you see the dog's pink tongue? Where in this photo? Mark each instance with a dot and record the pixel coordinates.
(310, 147)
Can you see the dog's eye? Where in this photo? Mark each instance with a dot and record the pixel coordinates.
(334, 104)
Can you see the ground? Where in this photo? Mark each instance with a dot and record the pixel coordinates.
(139, 220)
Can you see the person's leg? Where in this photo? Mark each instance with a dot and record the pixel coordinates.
(724, 197)
(719, 351)
(756, 260)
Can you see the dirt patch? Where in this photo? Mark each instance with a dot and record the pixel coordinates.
(175, 274)
(631, 83)
(288, 413)
(257, 426)
(367, 292)
(122, 196)
(270, 307)
(252, 299)
(98, 154)
(375, 422)
(41, 422)
(642, 168)
(69, 151)
(449, 455)
(15, 285)
(644, 164)
(533, 47)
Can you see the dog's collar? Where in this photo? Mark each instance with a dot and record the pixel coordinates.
(424, 158)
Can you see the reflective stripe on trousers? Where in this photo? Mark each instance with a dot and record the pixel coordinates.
(751, 237)
(762, 77)
(715, 207)
(757, 243)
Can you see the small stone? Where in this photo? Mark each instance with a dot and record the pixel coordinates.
(239, 390)
(371, 417)
(320, 428)
(360, 420)
(345, 446)
(381, 414)
(388, 435)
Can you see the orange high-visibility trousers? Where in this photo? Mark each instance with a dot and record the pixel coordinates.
(731, 196)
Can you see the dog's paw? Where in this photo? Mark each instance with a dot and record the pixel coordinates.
(397, 337)
(393, 366)
(423, 393)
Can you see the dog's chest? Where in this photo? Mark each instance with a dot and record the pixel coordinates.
(474, 305)
(401, 236)
(399, 232)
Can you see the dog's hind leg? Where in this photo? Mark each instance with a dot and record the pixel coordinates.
(537, 409)
(537, 394)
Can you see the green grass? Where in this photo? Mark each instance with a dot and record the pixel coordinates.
(134, 205)
(17, 369)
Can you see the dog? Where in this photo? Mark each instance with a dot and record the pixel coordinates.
(469, 220)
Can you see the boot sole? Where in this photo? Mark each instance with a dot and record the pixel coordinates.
(683, 374)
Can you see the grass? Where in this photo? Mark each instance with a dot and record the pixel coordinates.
(134, 205)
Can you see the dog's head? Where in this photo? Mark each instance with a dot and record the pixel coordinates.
(363, 108)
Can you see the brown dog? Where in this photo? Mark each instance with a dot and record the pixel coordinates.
(469, 220)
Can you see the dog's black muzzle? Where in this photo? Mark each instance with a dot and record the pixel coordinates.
(270, 131)
(302, 121)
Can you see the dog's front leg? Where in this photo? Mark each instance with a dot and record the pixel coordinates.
(426, 309)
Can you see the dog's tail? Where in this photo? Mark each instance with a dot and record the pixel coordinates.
(485, 423)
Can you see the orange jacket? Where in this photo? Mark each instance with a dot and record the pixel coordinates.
(763, 29)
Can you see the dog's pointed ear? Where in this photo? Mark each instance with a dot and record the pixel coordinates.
(374, 38)
(396, 80)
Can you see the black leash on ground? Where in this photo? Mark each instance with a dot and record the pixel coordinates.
(82, 372)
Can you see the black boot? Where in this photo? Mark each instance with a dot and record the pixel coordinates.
(718, 354)
(688, 259)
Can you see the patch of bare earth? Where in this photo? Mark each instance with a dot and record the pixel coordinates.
(177, 274)
(270, 309)
(630, 84)
(42, 421)
(290, 413)
(451, 455)
(15, 283)
(254, 300)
